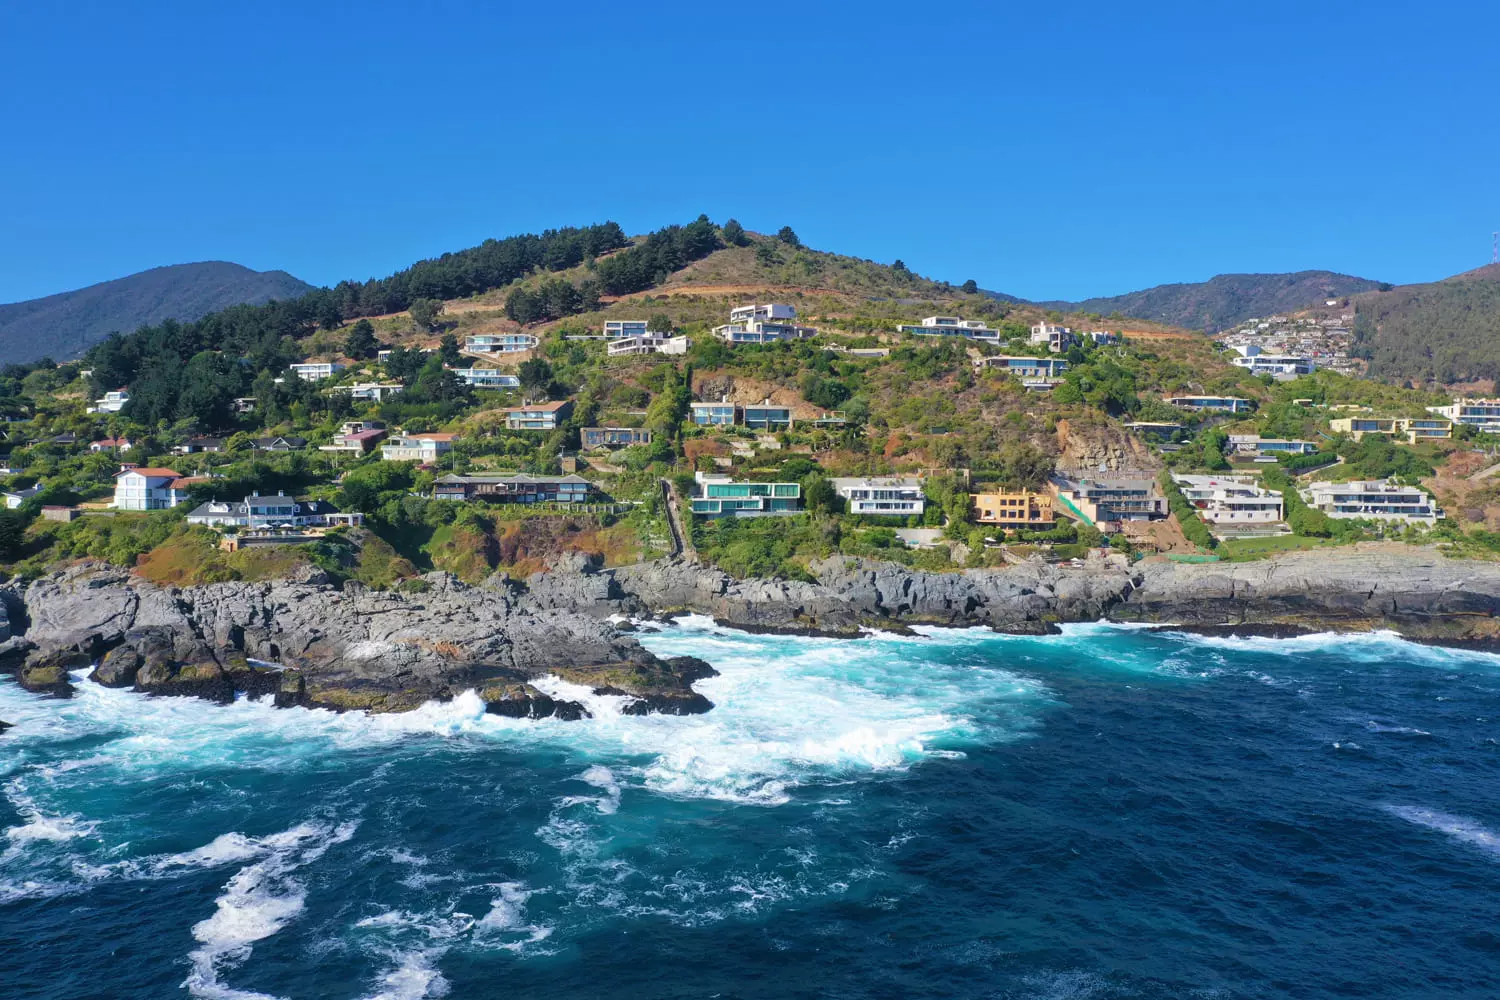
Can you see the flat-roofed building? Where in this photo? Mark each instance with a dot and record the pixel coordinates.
(371, 391)
(426, 447)
(315, 371)
(1282, 367)
(647, 343)
(520, 488)
(895, 496)
(1056, 338)
(762, 324)
(615, 329)
(765, 415)
(1106, 500)
(1254, 444)
(720, 414)
(1230, 500)
(718, 495)
(1413, 429)
(1375, 500)
(111, 402)
(487, 378)
(1481, 414)
(1013, 509)
(951, 326)
(614, 437)
(1024, 367)
(500, 343)
(1215, 404)
(539, 416)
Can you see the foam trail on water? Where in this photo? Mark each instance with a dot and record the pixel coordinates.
(257, 902)
(1459, 828)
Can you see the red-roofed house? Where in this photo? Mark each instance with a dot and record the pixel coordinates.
(146, 489)
(111, 444)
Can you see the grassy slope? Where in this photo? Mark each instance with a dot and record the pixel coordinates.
(1443, 332)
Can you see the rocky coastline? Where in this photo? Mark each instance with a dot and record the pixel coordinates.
(308, 642)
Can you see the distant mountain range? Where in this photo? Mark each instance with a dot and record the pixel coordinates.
(1224, 300)
(63, 326)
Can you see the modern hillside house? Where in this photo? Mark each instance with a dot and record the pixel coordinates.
(718, 495)
(1102, 337)
(522, 488)
(895, 496)
(315, 371)
(613, 437)
(1230, 501)
(1015, 510)
(1269, 448)
(1481, 414)
(952, 326)
(615, 329)
(279, 511)
(720, 414)
(1056, 338)
(1101, 501)
(765, 415)
(538, 416)
(111, 402)
(763, 324)
(1282, 367)
(425, 448)
(1024, 367)
(487, 378)
(1376, 500)
(148, 489)
(1216, 404)
(371, 391)
(647, 343)
(1413, 429)
(499, 343)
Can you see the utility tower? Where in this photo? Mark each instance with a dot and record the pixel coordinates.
(1495, 248)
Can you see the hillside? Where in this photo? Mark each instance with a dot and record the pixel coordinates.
(64, 325)
(1225, 299)
(1443, 331)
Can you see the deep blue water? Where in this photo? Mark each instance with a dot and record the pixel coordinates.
(1108, 813)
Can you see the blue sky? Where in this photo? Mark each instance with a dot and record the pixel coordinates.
(1090, 149)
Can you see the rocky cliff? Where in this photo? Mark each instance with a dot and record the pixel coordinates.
(308, 642)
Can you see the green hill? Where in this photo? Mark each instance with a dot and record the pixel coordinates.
(1225, 299)
(1443, 331)
(65, 325)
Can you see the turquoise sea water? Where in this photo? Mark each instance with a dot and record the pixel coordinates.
(1108, 813)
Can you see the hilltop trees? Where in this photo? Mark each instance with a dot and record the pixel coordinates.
(734, 234)
(360, 343)
(788, 235)
(970, 287)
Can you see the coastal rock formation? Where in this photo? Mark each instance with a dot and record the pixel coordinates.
(308, 642)
(341, 649)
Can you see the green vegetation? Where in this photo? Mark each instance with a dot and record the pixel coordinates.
(1444, 332)
(1192, 525)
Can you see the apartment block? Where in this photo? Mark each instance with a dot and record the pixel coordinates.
(1018, 509)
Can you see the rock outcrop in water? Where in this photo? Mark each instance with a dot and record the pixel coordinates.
(352, 648)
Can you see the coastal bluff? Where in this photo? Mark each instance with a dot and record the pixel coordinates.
(310, 642)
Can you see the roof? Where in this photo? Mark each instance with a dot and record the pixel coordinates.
(150, 472)
(25, 494)
(888, 482)
(373, 432)
(520, 477)
(433, 437)
(291, 442)
(112, 442)
(241, 508)
(551, 407)
(183, 482)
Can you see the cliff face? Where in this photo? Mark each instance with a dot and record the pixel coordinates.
(353, 648)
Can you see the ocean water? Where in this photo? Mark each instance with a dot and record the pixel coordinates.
(1107, 813)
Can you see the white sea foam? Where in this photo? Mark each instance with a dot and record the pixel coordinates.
(40, 825)
(257, 902)
(1459, 828)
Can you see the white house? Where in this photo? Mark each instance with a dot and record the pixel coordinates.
(487, 378)
(888, 495)
(499, 343)
(15, 498)
(1376, 500)
(647, 343)
(1482, 414)
(952, 326)
(1282, 367)
(315, 371)
(614, 329)
(425, 448)
(111, 402)
(1231, 500)
(279, 511)
(762, 324)
(148, 489)
(373, 391)
(1057, 338)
